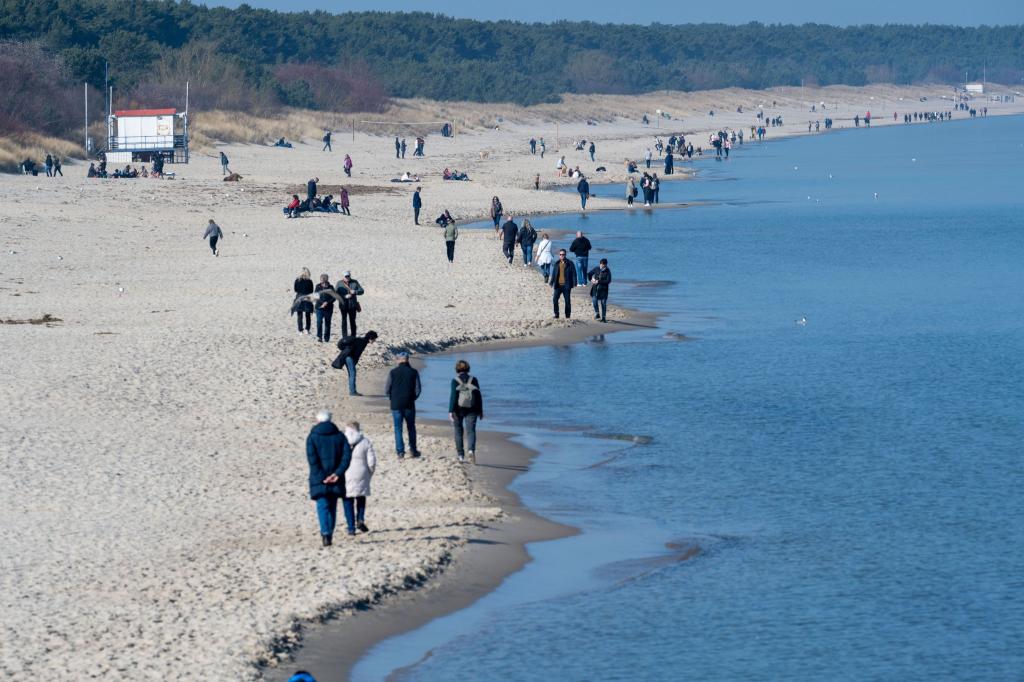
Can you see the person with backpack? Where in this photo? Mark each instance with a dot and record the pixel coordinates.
(329, 455)
(327, 142)
(465, 408)
(352, 348)
(357, 478)
(451, 233)
(402, 389)
(527, 237)
(600, 278)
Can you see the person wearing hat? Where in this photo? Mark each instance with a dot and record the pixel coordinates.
(402, 389)
(349, 289)
(328, 454)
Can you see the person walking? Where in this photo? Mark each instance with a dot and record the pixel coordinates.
(349, 290)
(630, 192)
(352, 348)
(580, 248)
(398, 148)
(527, 237)
(544, 256)
(655, 187)
(343, 201)
(583, 187)
(224, 164)
(402, 389)
(451, 233)
(592, 149)
(417, 204)
(600, 278)
(329, 455)
(348, 165)
(509, 233)
(465, 408)
(311, 192)
(49, 165)
(496, 211)
(327, 141)
(543, 147)
(404, 146)
(304, 287)
(647, 157)
(533, 145)
(357, 478)
(214, 234)
(324, 309)
(563, 279)
(57, 167)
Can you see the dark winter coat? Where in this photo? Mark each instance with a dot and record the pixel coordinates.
(527, 235)
(581, 247)
(416, 201)
(303, 287)
(328, 452)
(349, 303)
(325, 298)
(351, 346)
(509, 232)
(570, 273)
(403, 387)
(604, 278)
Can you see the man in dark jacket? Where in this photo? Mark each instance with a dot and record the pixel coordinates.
(349, 290)
(328, 454)
(563, 279)
(402, 389)
(417, 204)
(352, 348)
(592, 150)
(580, 247)
(465, 407)
(600, 277)
(398, 147)
(509, 233)
(583, 187)
(311, 190)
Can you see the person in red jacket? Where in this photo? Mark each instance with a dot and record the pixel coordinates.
(292, 209)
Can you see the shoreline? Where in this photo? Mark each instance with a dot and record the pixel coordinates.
(183, 368)
(477, 567)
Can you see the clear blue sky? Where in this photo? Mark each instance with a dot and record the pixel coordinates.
(839, 12)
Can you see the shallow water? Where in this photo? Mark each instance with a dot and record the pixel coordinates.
(853, 484)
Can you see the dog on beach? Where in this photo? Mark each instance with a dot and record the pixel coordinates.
(234, 177)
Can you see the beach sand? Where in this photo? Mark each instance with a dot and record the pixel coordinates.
(154, 514)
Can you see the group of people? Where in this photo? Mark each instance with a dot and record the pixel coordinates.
(320, 299)
(316, 203)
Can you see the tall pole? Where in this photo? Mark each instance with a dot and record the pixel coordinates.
(85, 88)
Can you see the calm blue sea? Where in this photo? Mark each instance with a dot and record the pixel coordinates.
(853, 485)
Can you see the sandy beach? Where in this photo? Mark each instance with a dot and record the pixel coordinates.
(154, 512)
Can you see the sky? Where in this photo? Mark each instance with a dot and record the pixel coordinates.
(837, 12)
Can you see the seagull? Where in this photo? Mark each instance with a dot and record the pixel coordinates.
(802, 321)
(876, 195)
(60, 257)
(120, 290)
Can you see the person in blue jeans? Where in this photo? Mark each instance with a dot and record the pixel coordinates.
(583, 187)
(324, 309)
(352, 348)
(328, 454)
(402, 389)
(580, 248)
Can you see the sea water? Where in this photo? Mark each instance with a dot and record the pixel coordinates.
(828, 483)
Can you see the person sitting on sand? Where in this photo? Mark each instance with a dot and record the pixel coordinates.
(357, 478)
(560, 168)
(445, 219)
(447, 174)
(92, 171)
(145, 173)
(292, 209)
(329, 456)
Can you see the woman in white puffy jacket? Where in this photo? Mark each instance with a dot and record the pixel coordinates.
(357, 477)
(543, 256)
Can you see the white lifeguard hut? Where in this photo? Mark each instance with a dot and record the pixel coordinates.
(143, 134)
(975, 88)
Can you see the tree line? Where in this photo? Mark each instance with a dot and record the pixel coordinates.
(249, 58)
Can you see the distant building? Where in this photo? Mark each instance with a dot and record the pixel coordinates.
(976, 88)
(143, 134)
